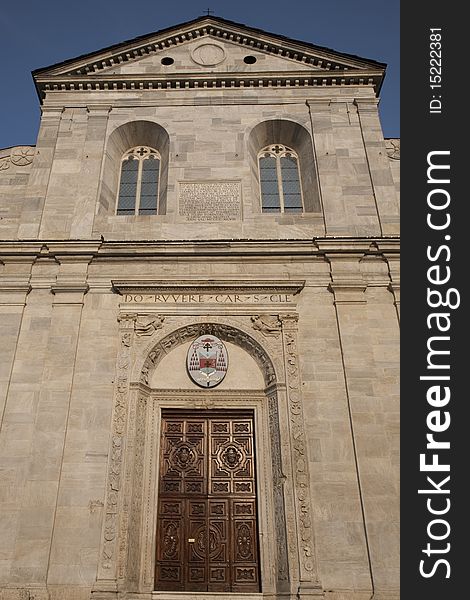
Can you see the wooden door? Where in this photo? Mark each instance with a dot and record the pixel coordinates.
(207, 526)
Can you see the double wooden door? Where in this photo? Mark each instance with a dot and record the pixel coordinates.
(207, 519)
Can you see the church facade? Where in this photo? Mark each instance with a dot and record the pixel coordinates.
(199, 311)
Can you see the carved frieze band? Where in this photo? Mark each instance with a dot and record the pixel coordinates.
(20, 156)
(119, 422)
(299, 450)
(278, 491)
(135, 515)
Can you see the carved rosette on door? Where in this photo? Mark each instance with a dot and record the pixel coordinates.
(207, 528)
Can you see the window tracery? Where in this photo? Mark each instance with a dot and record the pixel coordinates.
(279, 178)
(139, 182)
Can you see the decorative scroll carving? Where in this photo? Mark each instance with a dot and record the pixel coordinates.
(108, 557)
(278, 492)
(136, 505)
(147, 324)
(269, 325)
(298, 443)
(244, 541)
(20, 156)
(393, 148)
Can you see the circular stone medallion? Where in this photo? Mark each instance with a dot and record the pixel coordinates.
(208, 55)
(207, 361)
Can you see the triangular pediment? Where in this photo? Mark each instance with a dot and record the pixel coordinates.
(208, 46)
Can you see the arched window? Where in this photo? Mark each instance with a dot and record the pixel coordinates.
(139, 181)
(279, 177)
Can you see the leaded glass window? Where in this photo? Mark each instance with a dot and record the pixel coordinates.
(281, 190)
(139, 182)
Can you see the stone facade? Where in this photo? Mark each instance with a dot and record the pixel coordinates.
(97, 311)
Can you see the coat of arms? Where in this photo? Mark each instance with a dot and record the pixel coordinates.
(207, 361)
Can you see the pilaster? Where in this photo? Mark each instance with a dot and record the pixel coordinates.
(87, 190)
(379, 165)
(309, 585)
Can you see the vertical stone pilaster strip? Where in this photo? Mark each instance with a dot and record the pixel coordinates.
(87, 192)
(300, 468)
(132, 520)
(107, 569)
(35, 194)
(379, 165)
(13, 294)
(278, 490)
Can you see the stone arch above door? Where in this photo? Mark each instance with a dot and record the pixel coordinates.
(235, 334)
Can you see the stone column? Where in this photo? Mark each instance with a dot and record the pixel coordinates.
(308, 583)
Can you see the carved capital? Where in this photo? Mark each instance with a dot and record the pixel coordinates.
(14, 292)
(51, 113)
(367, 105)
(268, 325)
(289, 320)
(126, 320)
(146, 324)
(96, 110)
(319, 104)
(351, 292)
(395, 289)
(69, 288)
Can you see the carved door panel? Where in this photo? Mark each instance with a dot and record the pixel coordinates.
(207, 530)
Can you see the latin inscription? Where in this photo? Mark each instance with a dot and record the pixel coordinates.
(207, 298)
(218, 201)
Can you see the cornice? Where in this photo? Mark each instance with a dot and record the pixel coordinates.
(200, 286)
(195, 250)
(208, 81)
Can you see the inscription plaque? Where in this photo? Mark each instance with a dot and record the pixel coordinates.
(216, 201)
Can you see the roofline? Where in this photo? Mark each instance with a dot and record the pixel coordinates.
(206, 19)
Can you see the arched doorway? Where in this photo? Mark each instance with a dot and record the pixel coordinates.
(208, 485)
(145, 404)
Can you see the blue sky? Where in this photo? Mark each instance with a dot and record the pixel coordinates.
(37, 34)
